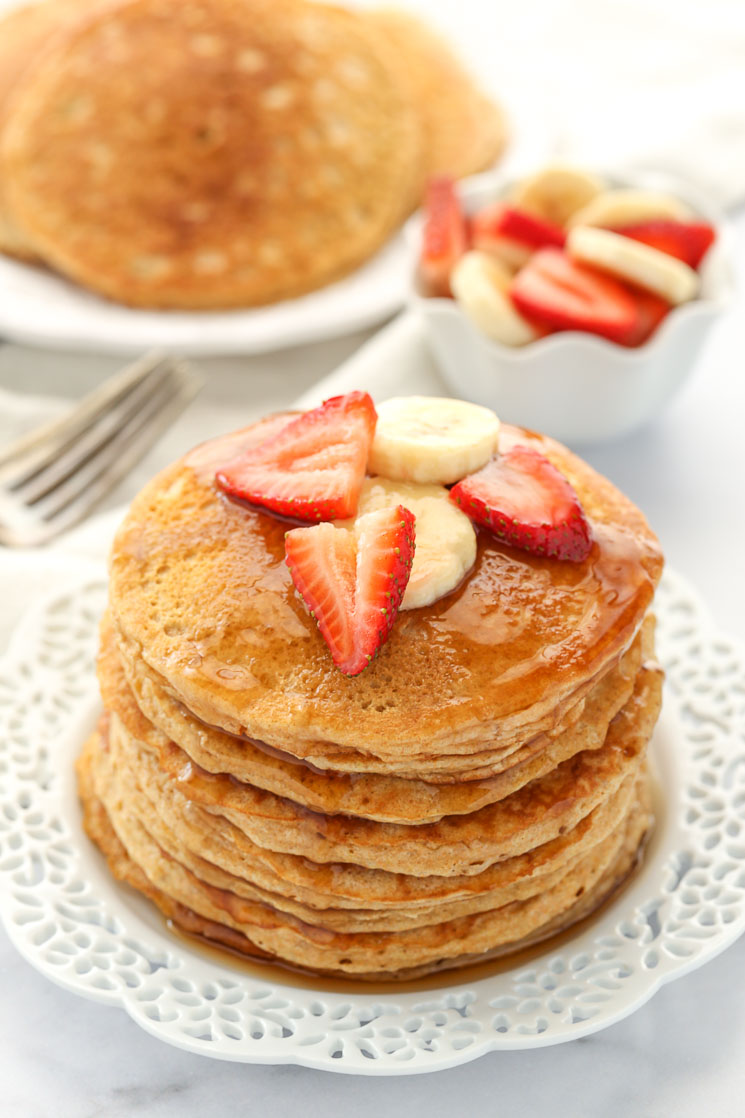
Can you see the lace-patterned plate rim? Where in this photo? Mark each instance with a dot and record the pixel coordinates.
(75, 924)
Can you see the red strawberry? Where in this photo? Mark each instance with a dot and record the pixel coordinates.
(527, 503)
(444, 236)
(314, 467)
(353, 581)
(652, 309)
(556, 291)
(687, 240)
(522, 226)
(487, 236)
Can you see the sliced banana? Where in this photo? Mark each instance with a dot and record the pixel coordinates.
(640, 264)
(431, 439)
(507, 253)
(557, 192)
(480, 285)
(445, 538)
(626, 207)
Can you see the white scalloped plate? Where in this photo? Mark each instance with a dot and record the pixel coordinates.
(73, 922)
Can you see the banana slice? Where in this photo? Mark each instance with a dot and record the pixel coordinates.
(633, 261)
(445, 537)
(557, 192)
(431, 439)
(626, 207)
(480, 285)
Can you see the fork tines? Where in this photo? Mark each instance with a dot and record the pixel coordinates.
(51, 478)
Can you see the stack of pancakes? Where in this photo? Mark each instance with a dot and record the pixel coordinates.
(223, 153)
(481, 785)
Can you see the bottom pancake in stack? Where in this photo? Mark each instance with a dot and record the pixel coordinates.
(477, 783)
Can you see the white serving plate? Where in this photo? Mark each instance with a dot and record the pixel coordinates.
(72, 921)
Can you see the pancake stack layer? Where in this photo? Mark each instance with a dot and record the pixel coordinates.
(480, 786)
(223, 153)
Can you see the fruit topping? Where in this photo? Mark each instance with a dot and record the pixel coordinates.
(623, 206)
(445, 538)
(557, 192)
(524, 500)
(444, 236)
(651, 311)
(486, 237)
(556, 291)
(688, 240)
(313, 468)
(481, 287)
(430, 439)
(531, 230)
(634, 262)
(353, 582)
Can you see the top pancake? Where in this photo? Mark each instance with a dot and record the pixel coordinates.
(200, 591)
(207, 153)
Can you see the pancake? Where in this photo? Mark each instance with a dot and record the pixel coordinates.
(535, 814)
(176, 888)
(24, 33)
(210, 153)
(481, 785)
(370, 796)
(498, 661)
(463, 130)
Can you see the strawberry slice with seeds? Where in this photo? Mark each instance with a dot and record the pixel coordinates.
(687, 240)
(444, 236)
(353, 580)
(313, 468)
(524, 500)
(558, 292)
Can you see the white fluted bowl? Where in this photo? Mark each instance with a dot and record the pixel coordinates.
(576, 386)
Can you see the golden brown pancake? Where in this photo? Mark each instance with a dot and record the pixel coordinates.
(24, 33)
(481, 785)
(462, 844)
(463, 130)
(210, 153)
(176, 887)
(491, 665)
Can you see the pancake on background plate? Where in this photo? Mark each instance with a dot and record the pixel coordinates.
(24, 34)
(300, 763)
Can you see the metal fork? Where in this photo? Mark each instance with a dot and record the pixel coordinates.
(51, 478)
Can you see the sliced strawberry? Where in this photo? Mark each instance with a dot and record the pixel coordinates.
(651, 310)
(353, 581)
(530, 230)
(487, 236)
(314, 467)
(558, 292)
(444, 236)
(687, 240)
(524, 500)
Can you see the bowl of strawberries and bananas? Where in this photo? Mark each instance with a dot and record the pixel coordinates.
(573, 302)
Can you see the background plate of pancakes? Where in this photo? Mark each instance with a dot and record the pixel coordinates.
(223, 176)
(684, 904)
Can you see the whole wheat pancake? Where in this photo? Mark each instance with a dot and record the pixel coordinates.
(24, 33)
(463, 844)
(463, 130)
(200, 594)
(220, 760)
(211, 153)
(222, 856)
(176, 888)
